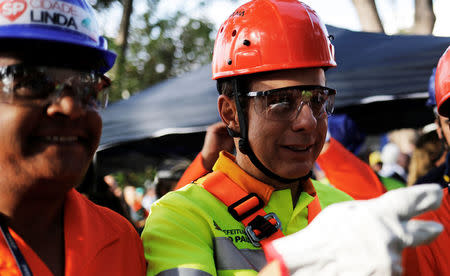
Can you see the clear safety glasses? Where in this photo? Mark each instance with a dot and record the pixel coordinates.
(40, 85)
(284, 104)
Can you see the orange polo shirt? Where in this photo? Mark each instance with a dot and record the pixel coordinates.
(433, 258)
(98, 241)
(348, 173)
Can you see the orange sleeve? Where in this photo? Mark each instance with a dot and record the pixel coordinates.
(432, 258)
(410, 262)
(348, 173)
(193, 172)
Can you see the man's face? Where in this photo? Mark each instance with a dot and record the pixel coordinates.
(44, 144)
(288, 148)
(444, 128)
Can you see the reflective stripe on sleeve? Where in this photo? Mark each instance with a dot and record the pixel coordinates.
(183, 271)
(228, 257)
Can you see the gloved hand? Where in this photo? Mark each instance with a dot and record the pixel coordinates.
(360, 237)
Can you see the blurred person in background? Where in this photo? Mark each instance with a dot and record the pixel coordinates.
(343, 169)
(100, 191)
(139, 209)
(165, 184)
(171, 171)
(404, 138)
(345, 130)
(113, 185)
(428, 154)
(133, 197)
(375, 161)
(129, 195)
(439, 173)
(390, 157)
(150, 194)
(139, 194)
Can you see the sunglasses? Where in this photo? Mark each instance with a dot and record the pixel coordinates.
(41, 85)
(284, 104)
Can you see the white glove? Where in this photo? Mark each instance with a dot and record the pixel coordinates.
(361, 237)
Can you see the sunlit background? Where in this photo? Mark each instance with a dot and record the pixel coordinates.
(395, 14)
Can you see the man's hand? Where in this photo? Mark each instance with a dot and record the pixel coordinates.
(361, 237)
(216, 140)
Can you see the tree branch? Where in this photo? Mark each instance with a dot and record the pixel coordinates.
(368, 16)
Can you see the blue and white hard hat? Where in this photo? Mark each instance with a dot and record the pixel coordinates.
(70, 22)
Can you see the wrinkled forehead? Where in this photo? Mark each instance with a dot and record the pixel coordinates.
(284, 78)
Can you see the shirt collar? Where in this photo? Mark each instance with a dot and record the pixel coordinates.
(226, 163)
(86, 232)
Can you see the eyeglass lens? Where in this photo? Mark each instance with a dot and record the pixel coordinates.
(286, 104)
(30, 85)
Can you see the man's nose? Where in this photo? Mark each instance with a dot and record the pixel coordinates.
(67, 105)
(304, 119)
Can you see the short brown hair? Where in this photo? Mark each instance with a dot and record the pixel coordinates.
(225, 87)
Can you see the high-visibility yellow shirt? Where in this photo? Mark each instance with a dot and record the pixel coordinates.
(191, 231)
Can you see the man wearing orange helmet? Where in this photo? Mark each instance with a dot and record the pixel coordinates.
(52, 88)
(433, 259)
(269, 61)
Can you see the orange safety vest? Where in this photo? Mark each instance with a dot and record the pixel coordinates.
(261, 228)
(193, 172)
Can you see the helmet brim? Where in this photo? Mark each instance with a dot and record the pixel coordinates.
(54, 35)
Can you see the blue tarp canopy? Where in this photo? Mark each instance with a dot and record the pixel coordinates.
(382, 84)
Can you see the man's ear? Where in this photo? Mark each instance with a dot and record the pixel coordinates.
(438, 128)
(228, 113)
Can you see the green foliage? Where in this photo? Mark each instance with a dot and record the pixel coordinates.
(132, 178)
(159, 49)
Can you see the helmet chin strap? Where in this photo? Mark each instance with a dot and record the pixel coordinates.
(244, 145)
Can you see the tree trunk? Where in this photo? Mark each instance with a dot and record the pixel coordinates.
(122, 40)
(368, 16)
(424, 17)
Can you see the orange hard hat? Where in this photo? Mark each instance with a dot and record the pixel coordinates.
(442, 84)
(268, 35)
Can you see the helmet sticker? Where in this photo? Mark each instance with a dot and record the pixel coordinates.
(12, 9)
(238, 13)
(52, 13)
